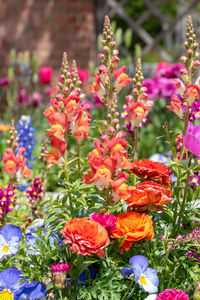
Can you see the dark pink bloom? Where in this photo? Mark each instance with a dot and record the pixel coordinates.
(45, 75)
(37, 97)
(109, 221)
(4, 81)
(172, 295)
(60, 267)
(191, 139)
(59, 271)
(84, 75)
(162, 68)
(97, 100)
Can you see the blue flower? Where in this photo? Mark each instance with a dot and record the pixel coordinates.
(32, 238)
(9, 283)
(33, 291)
(147, 278)
(11, 289)
(10, 236)
(26, 137)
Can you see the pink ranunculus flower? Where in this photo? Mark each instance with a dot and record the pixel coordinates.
(45, 75)
(172, 295)
(109, 221)
(191, 139)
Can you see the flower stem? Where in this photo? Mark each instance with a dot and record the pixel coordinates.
(135, 142)
(66, 167)
(184, 197)
(127, 291)
(78, 156)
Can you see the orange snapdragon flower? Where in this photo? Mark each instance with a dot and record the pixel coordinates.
(176, 106)
(121, 78)
(192, 92)
(133, 226)
(15, 164)
(85, 237)
(4, 127)
(156, 171)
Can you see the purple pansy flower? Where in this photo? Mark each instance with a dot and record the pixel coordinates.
(191, 139)
(147, 278)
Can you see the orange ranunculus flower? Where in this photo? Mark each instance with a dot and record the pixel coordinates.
(156, 171)
(85, 237)
(148, 195)
(134, 227)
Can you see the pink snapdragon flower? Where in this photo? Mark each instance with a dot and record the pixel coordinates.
(191, 139)
(45, 75)
(172, 295)
(109, 221)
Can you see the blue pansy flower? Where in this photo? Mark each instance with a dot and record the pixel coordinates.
(32, 238)
(147, 278)
(33, 291)
(10, 287)
(10, 237)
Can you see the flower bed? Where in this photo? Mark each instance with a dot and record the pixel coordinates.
(121, 226)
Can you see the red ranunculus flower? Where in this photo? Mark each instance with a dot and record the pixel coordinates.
(148, 195)
(156, 171)
(85, 237)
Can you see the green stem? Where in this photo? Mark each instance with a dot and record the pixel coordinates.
(184, 197)
(107, 199)
(78, 156)
(127, 291)
(135, 142)
(66, 167)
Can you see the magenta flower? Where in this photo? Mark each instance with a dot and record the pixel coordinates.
(4, 81)
(191, 139)
(45, 75)
(109, 221)
(59, 271)
(172, 294)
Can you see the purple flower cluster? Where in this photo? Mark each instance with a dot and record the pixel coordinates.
(162, 86)
(7, 200)
(194, 180)
(33, 194)
(179, 142)
(191, 238)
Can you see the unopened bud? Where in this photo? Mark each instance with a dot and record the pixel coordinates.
(189, 52)
(105, 49)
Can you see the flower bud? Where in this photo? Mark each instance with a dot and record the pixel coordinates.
(59, 272)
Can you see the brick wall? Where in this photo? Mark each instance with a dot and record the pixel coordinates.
(48, 27)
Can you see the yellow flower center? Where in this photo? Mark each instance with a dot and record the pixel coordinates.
(143, 280)
(5, 248)
(6, 295)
